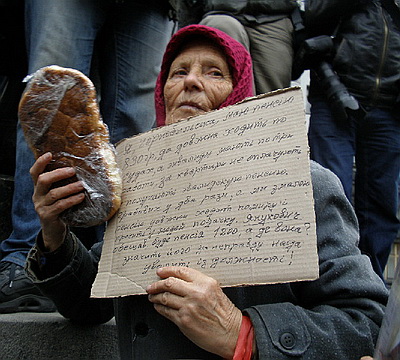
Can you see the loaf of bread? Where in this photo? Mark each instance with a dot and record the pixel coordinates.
(59, 113)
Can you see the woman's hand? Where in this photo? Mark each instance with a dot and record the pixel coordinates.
(197, 305)
(50, 203)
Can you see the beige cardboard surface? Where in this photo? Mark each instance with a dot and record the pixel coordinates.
(228, 193)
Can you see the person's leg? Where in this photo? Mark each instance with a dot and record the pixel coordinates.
(229, 25)
(377, 184)
(57, 32)
(271, 48)
(17, 292)
(332, 143)
(25, 222)
(63, 32)
(133, 43)
(52, 29)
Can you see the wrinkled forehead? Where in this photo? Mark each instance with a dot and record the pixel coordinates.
(187, 41)
(204, 49)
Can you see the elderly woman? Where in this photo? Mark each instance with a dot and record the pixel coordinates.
(187, 314)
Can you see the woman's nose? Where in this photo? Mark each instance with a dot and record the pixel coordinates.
(193, 81)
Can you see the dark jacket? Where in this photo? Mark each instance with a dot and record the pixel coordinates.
(253, 7)
(334, 317)
(247, 11)
(367, 47)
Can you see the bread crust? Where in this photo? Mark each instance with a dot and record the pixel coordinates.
(59, 113)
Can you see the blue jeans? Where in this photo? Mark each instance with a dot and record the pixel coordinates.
(373, 140)
(129, 38)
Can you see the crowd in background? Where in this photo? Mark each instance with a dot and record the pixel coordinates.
(350, 48)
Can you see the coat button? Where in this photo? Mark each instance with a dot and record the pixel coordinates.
(287, 340)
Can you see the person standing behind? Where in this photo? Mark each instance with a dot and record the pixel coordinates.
(134, 35)
(264, 27)
(367, 44)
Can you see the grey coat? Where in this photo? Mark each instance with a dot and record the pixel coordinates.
(334, 317)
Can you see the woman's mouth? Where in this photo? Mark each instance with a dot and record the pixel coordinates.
(191, 105)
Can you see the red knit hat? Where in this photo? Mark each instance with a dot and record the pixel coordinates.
(238, 58)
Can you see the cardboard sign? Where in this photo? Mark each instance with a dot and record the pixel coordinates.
(228, 193)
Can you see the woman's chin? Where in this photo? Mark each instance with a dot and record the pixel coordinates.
(184, 113)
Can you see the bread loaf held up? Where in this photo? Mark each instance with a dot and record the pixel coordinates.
(59, 113)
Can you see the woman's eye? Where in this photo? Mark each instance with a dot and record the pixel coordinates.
(180, 72)
(216, 73)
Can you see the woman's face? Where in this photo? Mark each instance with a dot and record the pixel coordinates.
(199, 80)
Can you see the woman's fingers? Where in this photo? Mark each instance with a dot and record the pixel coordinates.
(50, 201)
(167, 303)
(197, 305)
(39, 166)
(175, 279)
(170, 284)
(181, 272)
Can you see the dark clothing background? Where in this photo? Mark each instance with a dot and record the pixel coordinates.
(366, 59)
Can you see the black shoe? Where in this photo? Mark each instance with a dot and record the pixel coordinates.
(18, 293)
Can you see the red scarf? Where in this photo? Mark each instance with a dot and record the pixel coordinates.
(238, 58)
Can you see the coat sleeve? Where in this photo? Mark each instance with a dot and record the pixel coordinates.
(338, 315)
(70, 288)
